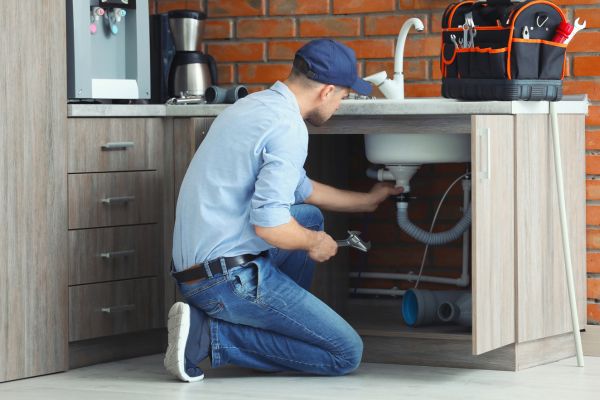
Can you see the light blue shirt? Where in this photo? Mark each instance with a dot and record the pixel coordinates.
(248, 171)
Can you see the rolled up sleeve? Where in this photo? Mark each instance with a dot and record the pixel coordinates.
(281, 179)
(304, 188)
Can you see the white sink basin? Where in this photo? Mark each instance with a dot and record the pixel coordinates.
(417, 148)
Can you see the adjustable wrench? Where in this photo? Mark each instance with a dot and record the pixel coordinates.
(354, 241)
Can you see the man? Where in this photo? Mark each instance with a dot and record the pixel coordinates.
(248, 231)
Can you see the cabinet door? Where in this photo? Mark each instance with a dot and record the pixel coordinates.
(33, 189)
(542, 301)
(188, 134)
(492, 159)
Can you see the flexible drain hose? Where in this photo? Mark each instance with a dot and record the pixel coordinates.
(428, 237)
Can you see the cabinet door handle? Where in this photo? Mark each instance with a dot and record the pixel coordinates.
(118, 200)
(485, 133)
(117, 309)
(121, 253)
(116, 146)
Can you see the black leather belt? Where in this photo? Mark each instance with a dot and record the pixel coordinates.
(198, 271)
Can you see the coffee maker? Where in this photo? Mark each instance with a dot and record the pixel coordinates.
(179, 70)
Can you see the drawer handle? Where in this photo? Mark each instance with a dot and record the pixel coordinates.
(116, 146)
(121, 253)
(117, 309)
(118, 200)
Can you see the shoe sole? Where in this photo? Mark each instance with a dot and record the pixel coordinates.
(178, 327)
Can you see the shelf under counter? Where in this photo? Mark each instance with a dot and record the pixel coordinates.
(387, 339)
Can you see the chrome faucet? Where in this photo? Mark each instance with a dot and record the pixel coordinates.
(394, 88)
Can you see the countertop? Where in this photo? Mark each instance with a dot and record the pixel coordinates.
(576, 104)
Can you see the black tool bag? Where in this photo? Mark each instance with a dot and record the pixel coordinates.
(511, 55)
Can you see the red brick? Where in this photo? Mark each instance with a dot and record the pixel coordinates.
(592, 140)
(218, 29)
(590, 87)
(436, 73)
(585, 42)
(590, 15)
(586, 66)
(574, 2)
(372, 48)
(231, 8)
(168, 5)
(568, 68)
(417, 46)
(592, 189)
(362, 6)
(298, 7)
(593, 288)
(245, 51)
(413, 69)
(592, 215)
(225, 72)
(593, 313)
(593, 263)
(593, 118)
(283, 50)
(593, 239)
(262, 73)
(436, 22)
(386, 24)
(592, 165)
(422, 90)
(423, 4)
(330, 26)
(265, 28)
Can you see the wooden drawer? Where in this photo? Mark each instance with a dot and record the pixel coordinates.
(109, 199)
(111, 308)
(122, 144)
(108, 254)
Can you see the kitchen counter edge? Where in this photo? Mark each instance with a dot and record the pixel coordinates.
(575, 104)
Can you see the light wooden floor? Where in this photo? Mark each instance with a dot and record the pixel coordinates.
(145, 378)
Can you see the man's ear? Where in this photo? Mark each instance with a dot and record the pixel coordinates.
(326, 91)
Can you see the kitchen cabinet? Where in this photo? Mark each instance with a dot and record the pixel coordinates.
(521, 314)
(118, 185)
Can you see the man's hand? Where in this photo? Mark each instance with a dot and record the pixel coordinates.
(324, 247)
(381, 191)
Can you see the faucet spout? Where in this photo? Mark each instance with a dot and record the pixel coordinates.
(399, 56)
(394, 88)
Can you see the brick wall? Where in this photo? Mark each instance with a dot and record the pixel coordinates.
(254, 42)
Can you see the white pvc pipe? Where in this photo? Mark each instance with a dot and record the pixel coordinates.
(394, 292)
(411, 278)
(565, 232)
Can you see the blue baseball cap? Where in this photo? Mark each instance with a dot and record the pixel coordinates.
(333, 63)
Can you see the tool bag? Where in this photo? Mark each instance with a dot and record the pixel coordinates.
(510, 54)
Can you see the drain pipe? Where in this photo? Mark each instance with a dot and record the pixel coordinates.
(430, 238)
(463, 281)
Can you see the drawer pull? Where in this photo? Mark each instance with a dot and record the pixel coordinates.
(118, 200)
(122, 253)
(116, 309)
(116, 146)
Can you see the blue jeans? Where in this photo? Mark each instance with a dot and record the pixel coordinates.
(262, 315)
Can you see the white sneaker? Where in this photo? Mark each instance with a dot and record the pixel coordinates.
(179, 329)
